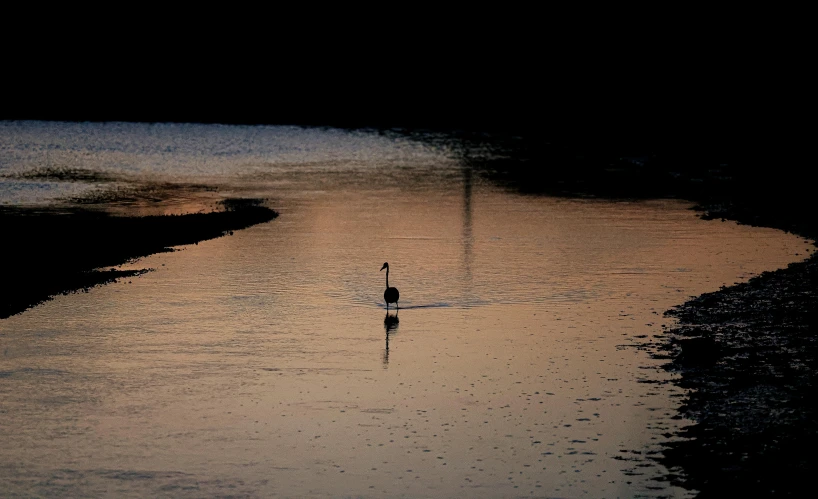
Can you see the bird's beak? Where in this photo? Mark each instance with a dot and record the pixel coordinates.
(383, 267)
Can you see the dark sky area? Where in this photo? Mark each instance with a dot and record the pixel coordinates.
(631, 83)
(601, 98)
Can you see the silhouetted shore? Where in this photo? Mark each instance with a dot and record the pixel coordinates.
(55, 251)
(748, 354)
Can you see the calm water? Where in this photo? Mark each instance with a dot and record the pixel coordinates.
(265, 363)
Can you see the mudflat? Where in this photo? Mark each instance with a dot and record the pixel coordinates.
(747, 354)
(50, 251)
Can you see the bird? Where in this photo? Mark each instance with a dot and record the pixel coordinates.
(391, 295)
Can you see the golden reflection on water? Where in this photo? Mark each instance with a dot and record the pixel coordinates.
(263, 363)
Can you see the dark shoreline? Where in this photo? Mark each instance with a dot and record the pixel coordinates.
(747, 355)
(58, 250)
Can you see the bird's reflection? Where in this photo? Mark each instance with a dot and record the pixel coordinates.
(390, 325)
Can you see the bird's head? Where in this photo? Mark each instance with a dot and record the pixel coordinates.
(385, 266)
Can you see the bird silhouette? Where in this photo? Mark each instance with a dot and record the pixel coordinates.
(391, 295)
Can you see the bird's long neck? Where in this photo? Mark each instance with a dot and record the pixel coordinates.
(387, 277)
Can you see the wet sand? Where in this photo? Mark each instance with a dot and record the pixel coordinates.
(748, 356)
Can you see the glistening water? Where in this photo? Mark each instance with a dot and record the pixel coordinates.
(265, 363)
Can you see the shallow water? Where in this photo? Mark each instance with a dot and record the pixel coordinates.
(265, 363)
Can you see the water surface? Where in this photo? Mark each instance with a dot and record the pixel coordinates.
(265, 363)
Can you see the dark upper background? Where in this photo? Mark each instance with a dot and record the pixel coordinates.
(679, 82)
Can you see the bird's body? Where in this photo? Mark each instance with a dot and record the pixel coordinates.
(391, 295)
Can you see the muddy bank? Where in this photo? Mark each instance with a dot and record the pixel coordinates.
(750, 185)
(747, 355)
(49, 251)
